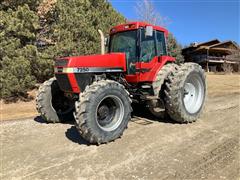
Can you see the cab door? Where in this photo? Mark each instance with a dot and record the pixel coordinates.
(147, 47)
(161, 44)
(152, 49)
(148, 54)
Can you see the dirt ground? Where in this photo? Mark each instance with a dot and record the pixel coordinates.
(149, 148)
(19, 110)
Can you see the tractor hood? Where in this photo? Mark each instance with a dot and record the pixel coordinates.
(112, 62)
(73, 74)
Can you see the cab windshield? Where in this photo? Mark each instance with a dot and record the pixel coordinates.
(125, 42)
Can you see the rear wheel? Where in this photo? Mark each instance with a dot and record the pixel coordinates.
(52, 104)
(103, 111)
(158, 109)
(185, 93)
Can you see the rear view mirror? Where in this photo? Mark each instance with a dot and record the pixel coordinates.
(106, 41)
(149, 31)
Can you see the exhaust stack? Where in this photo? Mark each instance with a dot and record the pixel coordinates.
(102, 41)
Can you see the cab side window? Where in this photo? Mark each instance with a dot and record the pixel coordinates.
(148, 48)
(161, 45)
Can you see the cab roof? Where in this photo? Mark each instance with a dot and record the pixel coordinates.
(136, 25)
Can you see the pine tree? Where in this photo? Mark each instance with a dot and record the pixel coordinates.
(174, 49)
(14, 4)
(32, 35)
(73, 24)
(18, 28)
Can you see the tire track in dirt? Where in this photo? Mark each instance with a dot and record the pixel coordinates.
(218, 158)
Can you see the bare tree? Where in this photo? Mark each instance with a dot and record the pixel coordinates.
(146, 12)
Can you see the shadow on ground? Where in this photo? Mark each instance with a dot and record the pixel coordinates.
(141, 113)
(39, 119)
(73, 135)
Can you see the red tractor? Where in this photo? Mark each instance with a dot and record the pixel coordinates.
(98, 90)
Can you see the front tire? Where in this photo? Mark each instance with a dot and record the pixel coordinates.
(185, 93)
(103, 111)
(53, 106)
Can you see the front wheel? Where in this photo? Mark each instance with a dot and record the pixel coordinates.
(103, 111)
(185, 93)
(53, 106)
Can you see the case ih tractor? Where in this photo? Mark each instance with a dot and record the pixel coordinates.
(98, 90)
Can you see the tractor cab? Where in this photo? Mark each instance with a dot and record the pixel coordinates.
(140, 42)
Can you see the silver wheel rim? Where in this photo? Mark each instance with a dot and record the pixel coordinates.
(117, 116)
(193, 94)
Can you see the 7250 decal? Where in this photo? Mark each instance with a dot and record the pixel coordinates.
(81, 70)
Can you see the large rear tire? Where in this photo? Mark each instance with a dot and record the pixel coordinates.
(159, 110)
(185, 93)
(103, 111)
(51, 103)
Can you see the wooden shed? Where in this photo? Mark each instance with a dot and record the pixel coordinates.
(214, 55)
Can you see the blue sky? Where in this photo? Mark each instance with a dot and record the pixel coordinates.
(193, 20)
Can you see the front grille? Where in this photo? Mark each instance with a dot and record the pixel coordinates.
(63, 82)
(83, 80)
(61, 62)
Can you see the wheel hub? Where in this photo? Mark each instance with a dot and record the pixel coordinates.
(105, 115)
(189, 92)
(109, 114)
(103, 112)
(193, 95)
